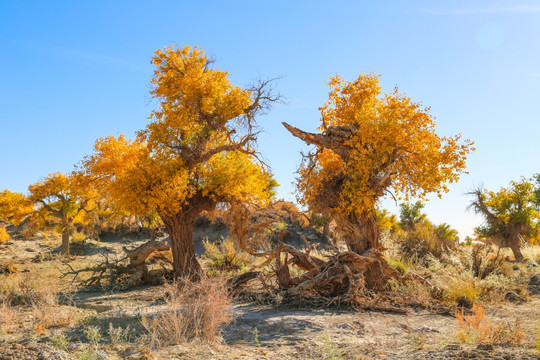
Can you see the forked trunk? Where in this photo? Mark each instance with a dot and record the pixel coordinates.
(360, 232)
(180, 228)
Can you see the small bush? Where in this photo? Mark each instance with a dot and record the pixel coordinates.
(48, 317)
(60, 341)
(508, 334)
(93, 334)
(225, 256)
(424, 240)
(192, 311)
(30, 229)
(78, 236)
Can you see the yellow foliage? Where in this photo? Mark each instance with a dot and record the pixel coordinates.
(393, 145)
(14, 207)
(4, 236)
(191, 148)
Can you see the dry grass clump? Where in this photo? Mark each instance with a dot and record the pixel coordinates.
(532, 252)
(29, 289)
(54, 316)
(192, 311)
(462, 289)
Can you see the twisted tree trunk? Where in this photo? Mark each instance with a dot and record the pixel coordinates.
(360, 232)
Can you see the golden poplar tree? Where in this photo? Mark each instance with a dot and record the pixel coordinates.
(66, 198)
(371, 144)
(196, 152)
(512, 214)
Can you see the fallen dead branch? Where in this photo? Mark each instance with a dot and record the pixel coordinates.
(126, 271)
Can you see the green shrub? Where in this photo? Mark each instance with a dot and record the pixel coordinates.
(225, 255)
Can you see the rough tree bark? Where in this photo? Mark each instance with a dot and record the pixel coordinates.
(180, 229)
(359, 232)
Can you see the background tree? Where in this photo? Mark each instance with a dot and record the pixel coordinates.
(66, 198)
(196, 152)
(368, 145)
(411, 214)
(511, 214)
(14, 208)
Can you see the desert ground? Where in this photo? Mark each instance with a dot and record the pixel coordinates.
(52, 316)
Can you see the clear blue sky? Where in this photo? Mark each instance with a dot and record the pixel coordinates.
(73, 71)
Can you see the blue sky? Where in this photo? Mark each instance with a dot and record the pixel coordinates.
(74, 71)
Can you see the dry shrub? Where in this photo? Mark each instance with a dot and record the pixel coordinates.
(8, 267)
(476, 327)
(29, 229)
(192, 311)
(423, 241)
(9, 320)
(25, 289)
(48, 316)
(225, 255)
(532, 252)
(289, 213)
(485, 260)
(505, 333)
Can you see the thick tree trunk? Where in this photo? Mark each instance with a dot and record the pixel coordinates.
(180, 228)
(514, 245)
(65, 241)
(360, 232)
